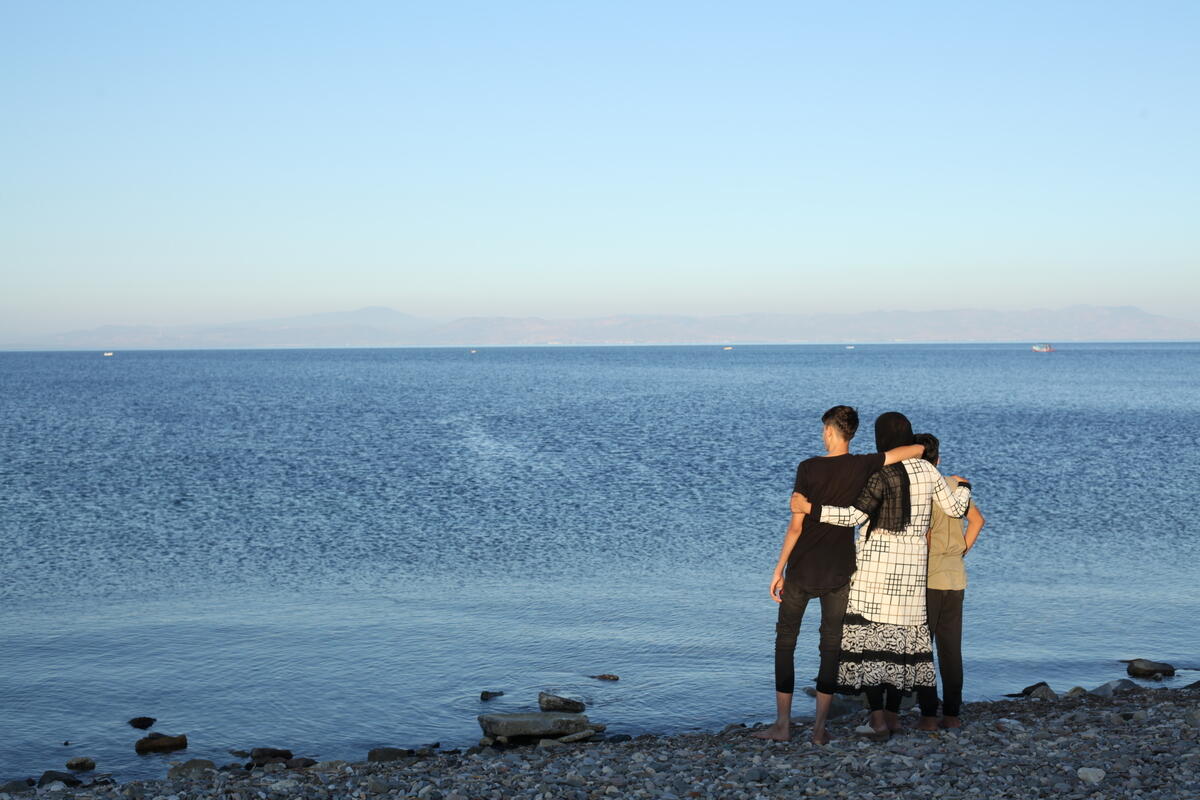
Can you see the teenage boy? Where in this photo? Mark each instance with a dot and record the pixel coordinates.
(817, 560)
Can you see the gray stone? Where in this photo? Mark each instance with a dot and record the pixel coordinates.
(81, 764)
(377, 785)
(553, 702)
(1114, 687)
(485, 695)
(66, 778)
(1075, 691)
(16, 787)
(578, 737)
(191, 768)
(299, 763)
(1141, 668)
(1192, 718)
(389, 754)
(755, 775)
(1090, 775)
(620, 737)
(534, 724)
(1043, 692)
(269, 755)
(549, 743)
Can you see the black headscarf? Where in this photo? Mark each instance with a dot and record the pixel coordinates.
(892, 429)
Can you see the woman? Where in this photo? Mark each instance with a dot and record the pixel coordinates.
(886, 649)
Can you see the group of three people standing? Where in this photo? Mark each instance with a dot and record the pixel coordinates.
(885, 598)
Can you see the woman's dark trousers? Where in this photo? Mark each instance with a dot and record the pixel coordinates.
(791, 612)
(945, 611)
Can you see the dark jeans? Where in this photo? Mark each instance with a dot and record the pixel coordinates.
(791, 612)
(945, 610)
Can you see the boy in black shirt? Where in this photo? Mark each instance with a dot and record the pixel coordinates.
(819, 560)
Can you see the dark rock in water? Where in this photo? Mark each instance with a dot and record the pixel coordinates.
(553, 702)
(486, 695)
(300, 763)
(1141, 668)
(142, 723)
(1195, 685)
(67, 779)
(1028, 690)
(389, 754)
(269, 755)
(543, 725)
(238, 753)
(607, 676)
(191, 768)
(15, 787)
(233, 766)
(620, 737)
(161, 743)
(81, 764)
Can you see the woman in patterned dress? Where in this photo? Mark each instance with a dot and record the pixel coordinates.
(886, 648)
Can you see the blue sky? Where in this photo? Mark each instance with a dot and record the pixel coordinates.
(209, 161)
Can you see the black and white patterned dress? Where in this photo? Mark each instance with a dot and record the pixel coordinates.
(885, 639)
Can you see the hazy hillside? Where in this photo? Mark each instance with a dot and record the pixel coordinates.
(384, 327)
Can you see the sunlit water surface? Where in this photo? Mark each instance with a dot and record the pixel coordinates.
(339, 549)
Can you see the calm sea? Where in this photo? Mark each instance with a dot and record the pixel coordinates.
(334, 550)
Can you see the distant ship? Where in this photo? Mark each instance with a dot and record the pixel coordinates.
(1043, 348)
(108, 354)
(849, 347)
(726, 348)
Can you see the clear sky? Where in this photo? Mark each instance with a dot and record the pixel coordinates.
(179, 162)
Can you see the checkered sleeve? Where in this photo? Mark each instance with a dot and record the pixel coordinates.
(954, 502)
(858, 514)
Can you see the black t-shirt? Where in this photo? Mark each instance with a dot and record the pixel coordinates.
(823, 557)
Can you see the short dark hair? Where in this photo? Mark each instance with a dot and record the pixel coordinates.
(844, 419)
(932, 446)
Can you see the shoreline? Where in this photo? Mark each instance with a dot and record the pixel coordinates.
(1139, 740)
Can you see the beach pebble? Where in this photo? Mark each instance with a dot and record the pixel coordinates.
(191, 768)
(1090, 775)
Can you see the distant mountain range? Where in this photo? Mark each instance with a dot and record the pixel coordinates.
(385, 327)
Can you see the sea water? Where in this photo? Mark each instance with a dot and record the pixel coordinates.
(333, 550)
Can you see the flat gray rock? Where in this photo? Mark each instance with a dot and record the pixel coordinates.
(542, 724)
(554, 702)
(1141, 668)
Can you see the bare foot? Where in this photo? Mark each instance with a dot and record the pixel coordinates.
(893, 721)
(951, 722)
(928, 724)
(820, 737)
(777, 732)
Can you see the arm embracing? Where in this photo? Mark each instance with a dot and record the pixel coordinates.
(975, 523)
(954, 502)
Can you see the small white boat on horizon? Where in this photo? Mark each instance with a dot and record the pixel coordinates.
(1043, 348)
(107, 354)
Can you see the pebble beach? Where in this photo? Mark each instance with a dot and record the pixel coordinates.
(1118, 741)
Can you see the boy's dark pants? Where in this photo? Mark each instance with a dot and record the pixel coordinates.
(944, 608)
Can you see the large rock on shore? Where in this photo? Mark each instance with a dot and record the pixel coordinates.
(553, 702)
(1113, 687)
(543, 724)
(65, 778)
(1141, 668)
(17, 787)
(161, 743)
